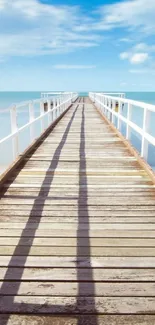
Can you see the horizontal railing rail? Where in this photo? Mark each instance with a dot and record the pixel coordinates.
(50, 93)
(112, 107)
(49, 108)
(122, 95)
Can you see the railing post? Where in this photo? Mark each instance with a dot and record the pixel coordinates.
(146, 121)
(14, 129)
(31, 119)
(53, 109)
(49, 111)
(113, 109)
(109, 106)
(104, 106)
(58, 107)
(119, 113)
(100, 103)
(128, 129)
(42, 114)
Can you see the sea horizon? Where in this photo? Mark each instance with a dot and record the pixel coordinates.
(7, 98)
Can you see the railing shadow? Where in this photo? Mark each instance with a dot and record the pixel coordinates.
(88, 303)
(83, 202)
(43, 191)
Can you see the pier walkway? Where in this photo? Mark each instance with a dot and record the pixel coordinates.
(77, 229)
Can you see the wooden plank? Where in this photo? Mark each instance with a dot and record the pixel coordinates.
(23, 204)
(75, 226)
(61, 274)
(33, 194)
(83, 319)
(71, 289)
(77, 233)
(72, 251)
(74, 213)
(84, 305)
(90, 159)
(148, 190)
(92, 172)
(48, 221)
(69, 241)
(88, 209)
(80, 262)
(91, 180)
(92, 186)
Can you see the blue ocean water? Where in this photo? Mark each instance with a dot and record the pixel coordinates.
(9, 98)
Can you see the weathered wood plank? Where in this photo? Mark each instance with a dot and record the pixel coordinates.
(89, 209)
(61, 274)
(84, 305)
(54, 212)
(80, 262)
(74, 201)
(72, 251)
(39, 172)
(75, 226)
(70, 289)
(77, 233)
(48, 221)
(69, 241)
(83, 319)
(81, 186)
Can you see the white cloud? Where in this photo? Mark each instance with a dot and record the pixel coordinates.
(67, 66)
(2, 4)
(36, 9)
(139, 58)
(38, 29)
(134, 58)
(130, 14)
(126, 40)
(123, 84)
(124, 55)
(135, 54)
(29, 27)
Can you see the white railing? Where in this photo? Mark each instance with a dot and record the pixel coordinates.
(113, 107)
(122, 95)
(51, 93)
(49, 110)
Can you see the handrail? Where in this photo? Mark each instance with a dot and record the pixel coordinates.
(112, 107)
(122, 95)
(51, 107)
(51, 93)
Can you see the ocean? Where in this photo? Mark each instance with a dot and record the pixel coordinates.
(9, 98)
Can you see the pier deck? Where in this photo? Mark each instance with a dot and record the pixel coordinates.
(77, 230)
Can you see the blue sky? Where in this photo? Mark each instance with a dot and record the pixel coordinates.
(65, 45)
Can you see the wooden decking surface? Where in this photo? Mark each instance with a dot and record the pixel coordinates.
(77, 230)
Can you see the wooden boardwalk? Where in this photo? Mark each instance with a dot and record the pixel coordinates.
(77, 230)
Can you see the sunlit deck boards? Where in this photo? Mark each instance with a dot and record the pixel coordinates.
(77, 230)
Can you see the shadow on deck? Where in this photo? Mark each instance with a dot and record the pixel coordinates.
(73, 310)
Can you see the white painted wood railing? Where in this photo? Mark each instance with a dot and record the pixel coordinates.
(51, 93)
(122, 95)
(50, 108)
(112, 107)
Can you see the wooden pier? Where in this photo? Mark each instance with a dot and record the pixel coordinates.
(77, 229)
